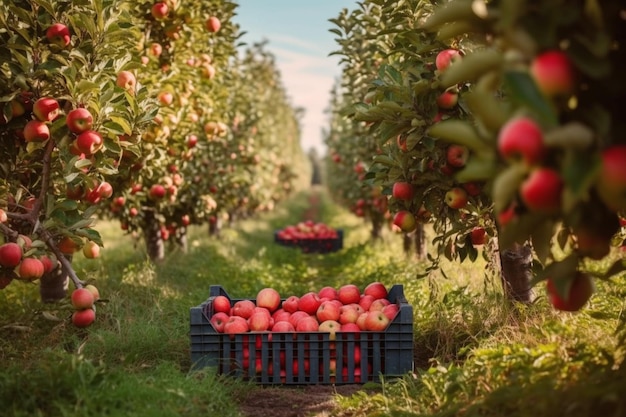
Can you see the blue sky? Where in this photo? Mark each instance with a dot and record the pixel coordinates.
(298, 36)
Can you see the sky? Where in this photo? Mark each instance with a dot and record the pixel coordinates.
(298, 36)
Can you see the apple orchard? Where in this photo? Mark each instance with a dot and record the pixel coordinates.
(464, 117)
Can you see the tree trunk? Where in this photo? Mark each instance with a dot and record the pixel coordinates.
(181, 238)
(53, 286)
(152, 236)
(419, 238)
(377, 225)
(215, 227)
(517, 272)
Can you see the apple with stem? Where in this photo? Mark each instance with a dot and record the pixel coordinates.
(79, 120)
(456, 198)
(457, 155)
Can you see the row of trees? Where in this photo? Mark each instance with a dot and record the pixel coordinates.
(146, 112)
(499, 118)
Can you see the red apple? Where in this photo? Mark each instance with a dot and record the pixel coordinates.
(521, 138)
(291, 304)
(307, 324)
(10, 254)
(160, 10)
(478, 235)
(376, 289)
(611, 180)
(79, 120)
(236, 324)
(541, 191)
(553, 73)
(48, 264)
(83, 318)
(59, 34)
(457, 155)
(349, 294)
(67, 245)
(447, 100)
(405, 220)
(403, 190)
(221, 304)
(165, 98)
(3, 216)
(329, 293)
(297, 316)
(243, 308)
(156, 49)
(580, 288)
(390, 310)
(379, 304)
(328, 310)
(361, 320)
(445, 57)
(82, 298)
(376, 321)
(259, 321)
(213, 24)
(157, 192)
(281, 315)
(89, 142)
(350, 327)
(348, 314)
(309, 303)
(366, 301)
(46, 109)
(283, 326)
(36, 131)
(30, 269)
(127, 81)
(456, 198)
(218, 320)
(268, 298)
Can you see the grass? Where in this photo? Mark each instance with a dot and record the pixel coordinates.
(475, 354)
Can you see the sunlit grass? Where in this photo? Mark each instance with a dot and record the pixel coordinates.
(475, 353)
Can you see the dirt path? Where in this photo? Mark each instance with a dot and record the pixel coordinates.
(306, 401)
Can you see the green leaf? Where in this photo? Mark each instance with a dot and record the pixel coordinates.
(522, 89)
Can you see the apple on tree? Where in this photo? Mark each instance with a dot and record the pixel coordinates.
(59, 34)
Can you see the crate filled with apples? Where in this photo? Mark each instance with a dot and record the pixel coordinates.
(310, 237)
(330, 336)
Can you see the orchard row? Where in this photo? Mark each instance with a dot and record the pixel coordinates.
(149, 115)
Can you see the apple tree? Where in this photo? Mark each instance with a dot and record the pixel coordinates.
(546, 97)
(67, 119)
(398, 98)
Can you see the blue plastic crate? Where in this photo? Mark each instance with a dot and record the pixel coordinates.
(313, 245)
(301, 358)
